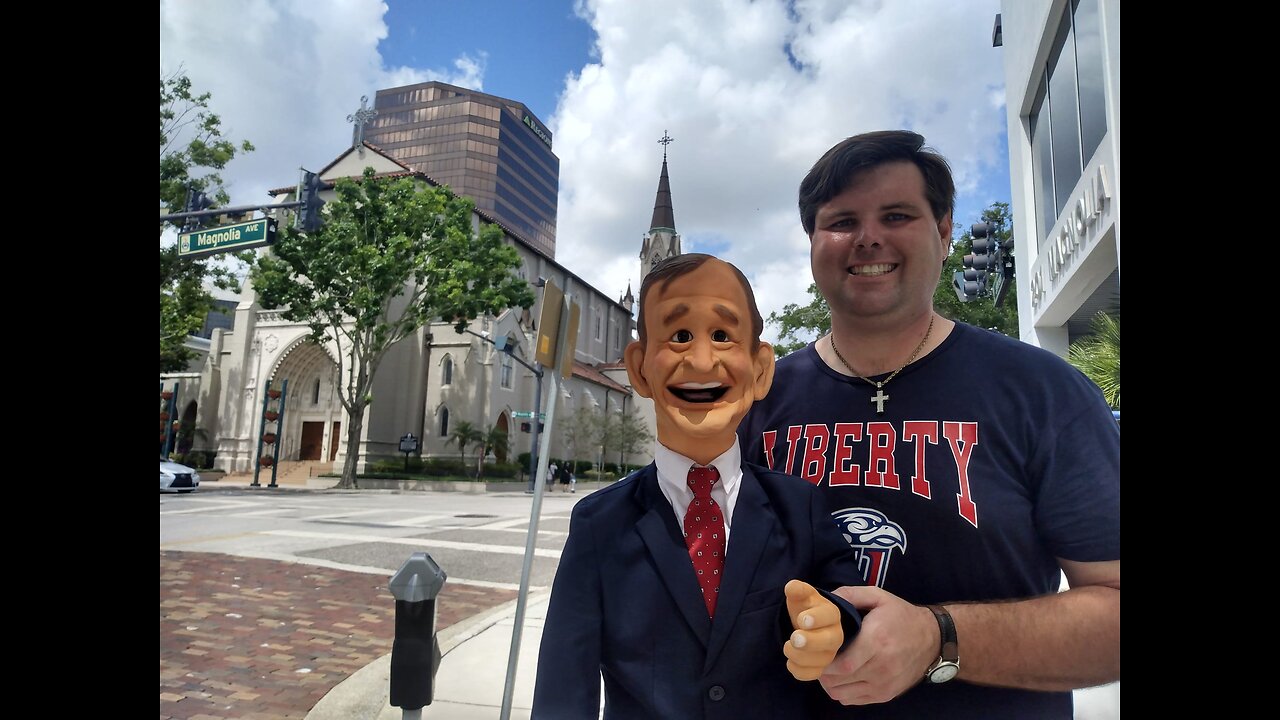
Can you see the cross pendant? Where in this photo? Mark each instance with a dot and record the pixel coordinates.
(879, 399)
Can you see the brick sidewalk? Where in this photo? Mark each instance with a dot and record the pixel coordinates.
(265, 640)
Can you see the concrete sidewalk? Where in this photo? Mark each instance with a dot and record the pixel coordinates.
(472, 675)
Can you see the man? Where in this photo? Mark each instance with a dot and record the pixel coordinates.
(967, 468)
(679, 583)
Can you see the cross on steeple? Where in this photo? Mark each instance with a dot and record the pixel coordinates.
(360, 117)
(664, 142)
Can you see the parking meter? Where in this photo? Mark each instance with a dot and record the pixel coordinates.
(415, 653)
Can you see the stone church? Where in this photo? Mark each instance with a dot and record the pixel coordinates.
(427, 382)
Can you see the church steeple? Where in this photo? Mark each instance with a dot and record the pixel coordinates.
(662, 241)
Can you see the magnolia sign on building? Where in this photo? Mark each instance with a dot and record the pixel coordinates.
(1078, 229)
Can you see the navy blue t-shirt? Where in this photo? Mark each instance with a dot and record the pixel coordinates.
(992, 459)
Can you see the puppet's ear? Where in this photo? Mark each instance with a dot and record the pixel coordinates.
(762, 363)
(634, 356)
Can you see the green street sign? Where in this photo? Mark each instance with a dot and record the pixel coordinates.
(225, 238)
(529, 415)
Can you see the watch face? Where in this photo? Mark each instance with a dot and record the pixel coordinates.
(943, 672)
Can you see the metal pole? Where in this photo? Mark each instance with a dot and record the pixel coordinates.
(537, 420)
(522, 600)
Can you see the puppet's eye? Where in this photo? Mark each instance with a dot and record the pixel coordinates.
(682, 336)
(719, 336)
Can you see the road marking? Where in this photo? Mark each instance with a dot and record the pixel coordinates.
(369, 570)
(226, 505)
(419, 521)
(350, 513)
(417, 542)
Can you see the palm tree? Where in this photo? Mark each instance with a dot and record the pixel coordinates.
(1098, 356)
(464, 434)
(495, 440)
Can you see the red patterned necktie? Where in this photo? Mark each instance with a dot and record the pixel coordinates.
(704, 534)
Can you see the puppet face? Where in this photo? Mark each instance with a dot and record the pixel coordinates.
(697, 362)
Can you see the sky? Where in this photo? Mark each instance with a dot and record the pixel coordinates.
(751, 92)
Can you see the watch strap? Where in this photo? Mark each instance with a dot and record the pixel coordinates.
(950, 647)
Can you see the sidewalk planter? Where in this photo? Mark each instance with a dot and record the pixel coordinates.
(271, 415)
(166, 395)
(269, 438)
(273, 393)
(266, 461)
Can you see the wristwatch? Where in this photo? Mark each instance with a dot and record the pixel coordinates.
(948, 663)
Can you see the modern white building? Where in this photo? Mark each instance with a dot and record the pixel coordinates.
(1062, 82)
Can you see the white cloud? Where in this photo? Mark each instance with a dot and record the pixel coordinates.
(749, 121)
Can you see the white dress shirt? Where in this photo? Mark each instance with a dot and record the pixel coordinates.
(673, 480)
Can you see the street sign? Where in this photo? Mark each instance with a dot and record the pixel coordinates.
(528, 415)
(549, 324)
(226, 238)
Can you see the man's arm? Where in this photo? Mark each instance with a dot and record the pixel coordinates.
(1062, 641)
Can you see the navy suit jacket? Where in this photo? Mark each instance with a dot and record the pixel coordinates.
(626, 605)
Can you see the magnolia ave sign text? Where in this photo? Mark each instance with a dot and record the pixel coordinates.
(240, 236)
(1079, 228)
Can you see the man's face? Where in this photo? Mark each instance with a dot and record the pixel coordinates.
(876, 249)
(697, 363)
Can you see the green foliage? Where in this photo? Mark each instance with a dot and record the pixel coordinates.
(193, 151)
(981, 312)
(495, 441)
(1098, 356)
(589, 432)
(392, 255)
(797, 324)
(464, 434)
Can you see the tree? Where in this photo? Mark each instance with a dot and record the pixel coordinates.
(464, 434)
(1098, 355)
(580, 431)
(494, 441)
(392, 255)
(798, 324)
(193, 151)
(625, 432)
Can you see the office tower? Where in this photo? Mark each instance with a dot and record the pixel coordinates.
(488, 148)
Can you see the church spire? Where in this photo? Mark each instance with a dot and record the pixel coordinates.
(662, 241)
(664, 216)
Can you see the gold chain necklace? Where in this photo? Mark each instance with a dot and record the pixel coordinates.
(879, 398)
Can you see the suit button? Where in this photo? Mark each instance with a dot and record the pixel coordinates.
(716, 693)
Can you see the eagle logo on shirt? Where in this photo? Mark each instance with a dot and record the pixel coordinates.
(873, 538)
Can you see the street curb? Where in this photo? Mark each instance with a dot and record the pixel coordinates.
(366, 695)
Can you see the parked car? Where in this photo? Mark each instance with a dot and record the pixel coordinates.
(177, 478)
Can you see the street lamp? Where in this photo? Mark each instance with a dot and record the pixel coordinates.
(501, 346)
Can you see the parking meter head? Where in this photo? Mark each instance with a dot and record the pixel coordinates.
(420, 578)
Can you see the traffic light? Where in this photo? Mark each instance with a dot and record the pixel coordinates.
(308, 218)
(971, 283)
(196, 201)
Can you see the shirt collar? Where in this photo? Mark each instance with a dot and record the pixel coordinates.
(674, 467)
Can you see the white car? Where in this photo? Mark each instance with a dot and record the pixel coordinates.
(177, 478)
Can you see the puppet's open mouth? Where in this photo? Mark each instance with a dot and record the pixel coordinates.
(699, 392)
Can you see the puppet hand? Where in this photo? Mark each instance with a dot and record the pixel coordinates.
(817, 635)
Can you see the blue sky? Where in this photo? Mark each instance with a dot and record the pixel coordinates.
(753, 92)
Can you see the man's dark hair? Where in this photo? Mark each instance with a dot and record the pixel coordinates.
(838, 168)
(668, 270)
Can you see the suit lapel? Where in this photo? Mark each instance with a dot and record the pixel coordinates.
(666, 544)
(753, 523)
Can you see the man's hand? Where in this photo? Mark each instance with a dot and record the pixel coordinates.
(817, 635)
(894, 646)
